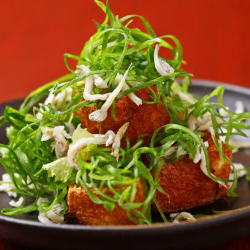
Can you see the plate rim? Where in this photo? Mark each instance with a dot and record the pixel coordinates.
(157, 227)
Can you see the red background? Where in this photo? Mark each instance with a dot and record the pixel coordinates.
(34, 35)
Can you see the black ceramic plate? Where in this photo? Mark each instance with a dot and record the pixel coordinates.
(212, 230)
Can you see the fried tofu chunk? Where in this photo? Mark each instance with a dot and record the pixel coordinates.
(82, 210)
(187, 186)
(143, 119)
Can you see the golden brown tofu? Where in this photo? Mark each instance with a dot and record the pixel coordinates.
(187, 186)
(143, 119)
(81, 209)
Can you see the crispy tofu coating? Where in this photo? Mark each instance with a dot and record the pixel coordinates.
(187, 186)
(143, 119)
(82, 210)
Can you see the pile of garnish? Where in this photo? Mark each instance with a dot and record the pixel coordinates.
(48, 149)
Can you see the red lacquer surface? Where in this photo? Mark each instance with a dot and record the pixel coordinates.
(34, 35)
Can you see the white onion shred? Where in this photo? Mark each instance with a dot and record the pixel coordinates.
(87, 94)
(31, 184)
(58, 134)
(181, 216)
(238, 144)
(239, 107)
(80, 144)
(183, 96)
(200, 156)
(131, 96)
(42, 217)
(240, 170)
(167, 153)
(191, 123)
(99, 82)
(205, 126)
(101, 114)
(200, 124)
(64, 95)
(162, 67)
(110, 135)
(205, 123)
(212, 132)
(71, 127)
(41, 200)
(52, 216)
(231, 177)
(16, 203)
(180, 151)
(8, 186)
(133, 82)
(117, 141)
(56, 101)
